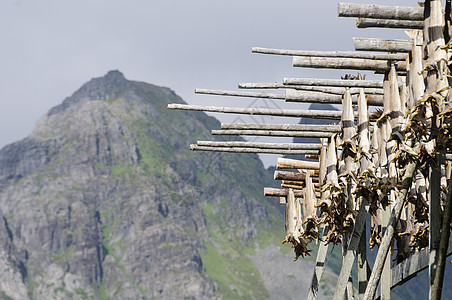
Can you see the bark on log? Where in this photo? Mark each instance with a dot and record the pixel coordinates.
(380, 11)
(387, 45)
(345, 63)
(387, 23)
(342, 54)
(286, 163)
(285, 175)
(285, 127)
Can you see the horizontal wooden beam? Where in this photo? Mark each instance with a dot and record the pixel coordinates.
(346, 63)
(292, 95)
(316, 97)
(387, 23)
(285, 127)
(387, 45)
(194, 147)
(334, 82)
(286, 146)
(380, 11)
(408, 268)
(323, 89)
(286, 163)
(279, 133)
(319, 114)
(240, 94)
(274, 192)
(285, 175)
(342, 54)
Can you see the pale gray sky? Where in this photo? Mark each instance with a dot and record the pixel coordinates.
(51, 47)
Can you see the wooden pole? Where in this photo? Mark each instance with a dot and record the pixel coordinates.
(286, 163)
(252, 150)
(443, 247)
(387, 45)
(345, 63)
(319, 114)
(273, 192)
(322, 89)
(285, 175)
(282, 133)
(388, 23)
(315, 97)
(342, 54)
(287, 146)
(333, 82)
(240, 94)
(389, 233)
(285, 127)
(380, 11)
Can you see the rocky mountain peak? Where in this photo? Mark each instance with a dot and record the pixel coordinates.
(110, 86)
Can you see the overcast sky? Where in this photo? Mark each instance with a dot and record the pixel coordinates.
(50, 48)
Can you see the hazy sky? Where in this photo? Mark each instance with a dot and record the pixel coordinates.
(50, 48)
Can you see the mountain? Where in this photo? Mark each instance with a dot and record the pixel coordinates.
(103, 200)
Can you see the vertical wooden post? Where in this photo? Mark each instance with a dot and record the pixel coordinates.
(436, 80)
(364, 145)
(323, 247)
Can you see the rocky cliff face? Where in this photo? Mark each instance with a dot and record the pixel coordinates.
(104, 201)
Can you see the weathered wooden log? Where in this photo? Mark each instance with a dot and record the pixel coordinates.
(319, 114)
(286, 163)
(387, 45)
(314, 97)
(323, 89)
(285, 127)
(334, 82)
(274, 192)
(314, 178)
(380, 11)
(341, 54)
(285, 175)
(194, 147)
(286, 146)
(345, 63)
(282, 133)
(240, 94)
(388, 23)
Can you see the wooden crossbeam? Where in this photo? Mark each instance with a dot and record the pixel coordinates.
(387, 23)
(240, 94)
(337, 54)
(275, 192)
(380, 11)
(194, 147)
(280, 133)
(387, 45)
(292, 95)
(285, 175)
(324, 89)
(286, 163)
(414, 264)
(345, 63)
(286, 127)
(319, 114)
(334, 82)
(315, 97)
(240, 144)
